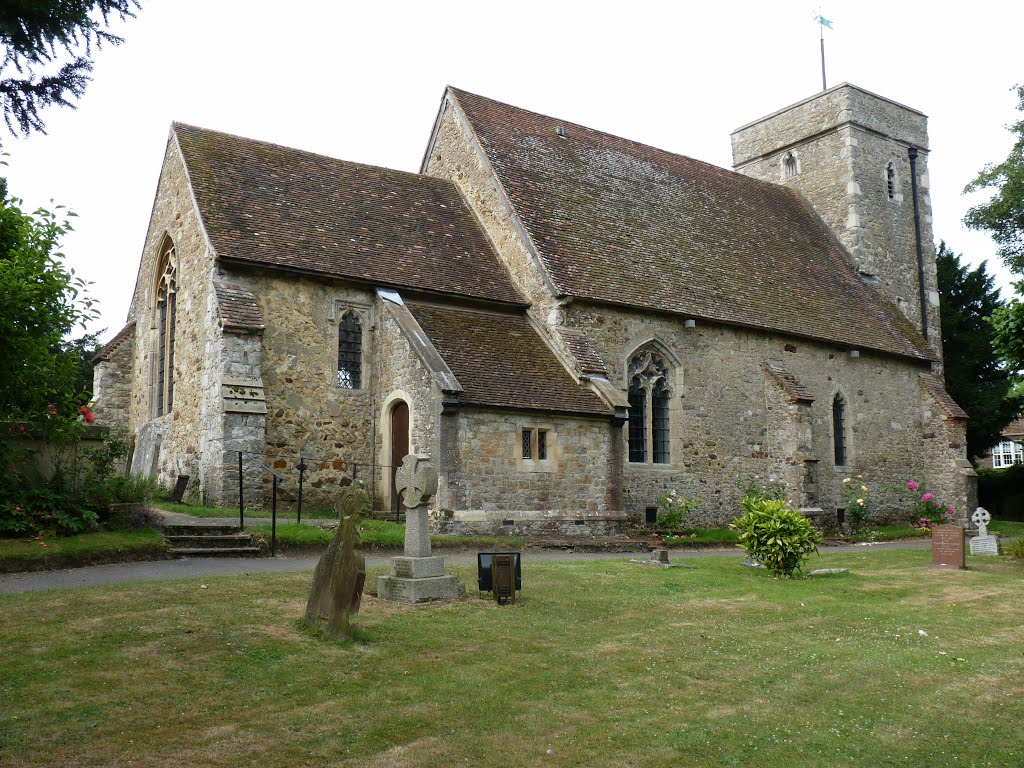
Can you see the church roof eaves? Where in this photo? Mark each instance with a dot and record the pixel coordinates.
(619, 222)
(934, 386)
(110, 348)
(278, 207)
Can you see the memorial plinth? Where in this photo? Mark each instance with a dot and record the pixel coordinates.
(417, 576)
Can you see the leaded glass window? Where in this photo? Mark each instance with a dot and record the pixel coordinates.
(527, 443)
(659, 421)
(839, 430)
(650, 398)
(350, 352)
(167, 315)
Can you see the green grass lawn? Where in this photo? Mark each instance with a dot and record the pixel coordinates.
(606, 662)
(84, 549)
(197, 510)
(377, 534)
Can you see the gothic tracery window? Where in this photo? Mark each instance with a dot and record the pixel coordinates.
(350, 352)
(649, 396)
(166, 317)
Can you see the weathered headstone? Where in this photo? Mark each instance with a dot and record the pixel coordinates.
(948, 547)
(417, 576)
(984, 543)
(339, 576)
(503, 578)
(178, 494)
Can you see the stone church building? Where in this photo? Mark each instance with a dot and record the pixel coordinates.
(567, 322)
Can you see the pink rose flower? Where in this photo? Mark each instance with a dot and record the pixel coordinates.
(912, 485)
(928, 497)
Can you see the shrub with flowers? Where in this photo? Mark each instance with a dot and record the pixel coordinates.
(858, 502)
(928, 510)
(673, 509)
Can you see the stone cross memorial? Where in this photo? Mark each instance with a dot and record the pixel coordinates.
(984, 543)
(417, 576)
(339, 576)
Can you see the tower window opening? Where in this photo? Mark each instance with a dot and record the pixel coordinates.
(890, 181)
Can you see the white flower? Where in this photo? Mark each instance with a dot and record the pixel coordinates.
(847, 480)
(864, 488)
(861, 502)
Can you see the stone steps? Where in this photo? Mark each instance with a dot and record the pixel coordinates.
(209, 541)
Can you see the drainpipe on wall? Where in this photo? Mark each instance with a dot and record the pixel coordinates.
(912, 152)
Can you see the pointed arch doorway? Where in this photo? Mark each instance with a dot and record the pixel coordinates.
(399, 439)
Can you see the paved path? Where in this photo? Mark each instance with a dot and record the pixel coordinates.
(184, 568)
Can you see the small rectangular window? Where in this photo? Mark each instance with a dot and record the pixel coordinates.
(542, 444)
(527, 443)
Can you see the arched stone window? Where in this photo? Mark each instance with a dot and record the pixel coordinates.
(350, 352)
(649, 396)
(839, 430)
(166, 317)
(890, 181)
(790, 167)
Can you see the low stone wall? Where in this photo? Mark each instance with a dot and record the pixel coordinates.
(539, 523)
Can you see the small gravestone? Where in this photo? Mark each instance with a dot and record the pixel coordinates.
(948, 547)
(984, 543)
(503, 578)
(179, 489)
(339, 576)
(417, 576)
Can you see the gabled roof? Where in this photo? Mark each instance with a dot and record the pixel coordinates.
(502, 362)
(110, 348)
(619, 222)
(279, 207)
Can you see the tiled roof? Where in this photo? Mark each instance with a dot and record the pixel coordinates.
(238, 308)
(1014, 428)
(796, 391)
(585, 355)
(501, 361)
(934, 386)
(111, 347)
(624, 223)
(282, 207)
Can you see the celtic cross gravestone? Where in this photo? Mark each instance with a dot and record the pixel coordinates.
(984, 543)
(417, 576)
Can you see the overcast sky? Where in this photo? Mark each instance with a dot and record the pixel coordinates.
(363, 81)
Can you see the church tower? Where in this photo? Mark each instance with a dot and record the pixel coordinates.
(860, 160)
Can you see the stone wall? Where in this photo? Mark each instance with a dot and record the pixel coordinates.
(843, 140)
(401, 375)
(112, 386)
(730, 425)
(455, 155)
(170, 445)
(492, 488)
(308, 414)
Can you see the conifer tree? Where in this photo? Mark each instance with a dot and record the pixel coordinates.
(975, 376)
(35, 36)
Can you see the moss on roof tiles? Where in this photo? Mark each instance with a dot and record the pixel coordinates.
(624, 223)
(286, 208)
(501, 362)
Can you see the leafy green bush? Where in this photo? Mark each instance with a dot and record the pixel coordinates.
(1015, 549)
(754, 488)
(777, 537)
(673, 509)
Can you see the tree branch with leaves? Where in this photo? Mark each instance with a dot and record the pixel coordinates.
(35, 35)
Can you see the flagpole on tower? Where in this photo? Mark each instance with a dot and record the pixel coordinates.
(821, 27)
(822, 23)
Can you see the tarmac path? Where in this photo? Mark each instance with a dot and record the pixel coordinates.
(184, 568)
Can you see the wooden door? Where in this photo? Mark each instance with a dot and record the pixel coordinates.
(399, 445)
